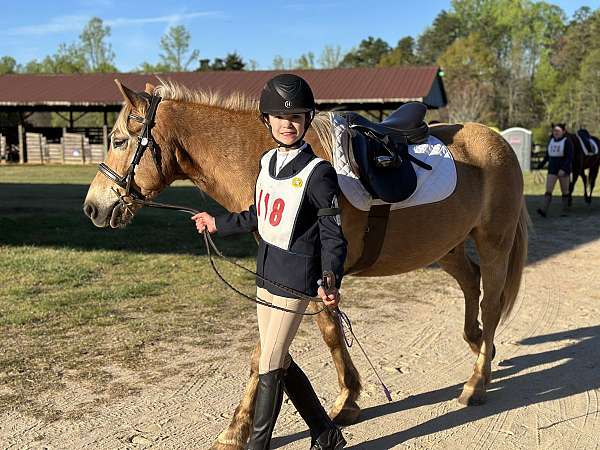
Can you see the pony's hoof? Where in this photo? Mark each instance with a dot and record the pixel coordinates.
(474, 392)
(347, 415)
(472, 396)
(541, 212)
(229, 441)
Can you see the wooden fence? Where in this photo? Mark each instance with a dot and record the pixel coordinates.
(73, 148)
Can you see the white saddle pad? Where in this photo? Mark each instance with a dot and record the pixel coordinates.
(432, 185)
(585, 147)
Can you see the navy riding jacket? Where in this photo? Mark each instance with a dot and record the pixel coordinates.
(317, 244)
(556, 163)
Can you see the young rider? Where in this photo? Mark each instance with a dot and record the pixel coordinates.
(295, 212)
(559, 155)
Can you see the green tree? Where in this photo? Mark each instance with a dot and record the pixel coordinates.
(403, 54)
(331, 57)
(590, 92)
(147, 67)
(278, 63)
(175, 45)
(8, 64)
(97, 52)
(67, 59)
(469, 68)
(233, 61)
(281, 64)
(446, 28)
(305, 61)
(368, 54)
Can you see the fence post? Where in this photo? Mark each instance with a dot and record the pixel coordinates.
(41, 148)
(83, 149)
(63, 145)
(21, 145)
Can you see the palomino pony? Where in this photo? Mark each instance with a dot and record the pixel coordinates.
(212, 141)
(581, 163)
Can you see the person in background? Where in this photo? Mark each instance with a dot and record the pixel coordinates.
(559, 155)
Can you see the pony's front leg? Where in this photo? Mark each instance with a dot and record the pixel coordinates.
(345, 410)
(236, 435)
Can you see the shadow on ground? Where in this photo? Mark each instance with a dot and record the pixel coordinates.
(51, 215)
(520, 381)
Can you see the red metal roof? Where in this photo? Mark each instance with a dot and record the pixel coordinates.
(357, 85)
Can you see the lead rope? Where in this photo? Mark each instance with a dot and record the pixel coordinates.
(342, 318)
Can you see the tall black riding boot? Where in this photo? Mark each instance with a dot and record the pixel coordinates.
(543, 211)
(269, 396)
(323, 432)
(565, 205)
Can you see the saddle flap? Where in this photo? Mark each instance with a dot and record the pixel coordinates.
(390, 184)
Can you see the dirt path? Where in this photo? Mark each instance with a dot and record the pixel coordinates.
(544, 393)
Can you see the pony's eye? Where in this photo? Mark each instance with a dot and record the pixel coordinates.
(117, 143)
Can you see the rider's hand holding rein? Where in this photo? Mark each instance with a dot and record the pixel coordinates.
(204, 220)
(332, 300)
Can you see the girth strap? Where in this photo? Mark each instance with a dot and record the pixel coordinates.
(373, 239)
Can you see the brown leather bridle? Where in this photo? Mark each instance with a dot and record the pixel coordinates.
(145, 141)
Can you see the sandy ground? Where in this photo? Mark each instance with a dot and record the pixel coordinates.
(544, 394)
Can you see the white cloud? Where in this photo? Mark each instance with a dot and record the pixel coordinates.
(59, 24)
(171, 19)
(75, 23)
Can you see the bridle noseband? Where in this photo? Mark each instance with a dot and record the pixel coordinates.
(145, 141)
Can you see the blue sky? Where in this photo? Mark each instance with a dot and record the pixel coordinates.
(257, 30)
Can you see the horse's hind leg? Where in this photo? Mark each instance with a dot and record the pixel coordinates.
(584, 180)
(466, 272)
(593, 176)
(494, 251)
(235, 436)
(345, 410)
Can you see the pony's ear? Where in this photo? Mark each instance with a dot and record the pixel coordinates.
(149, 88)
(130, 96)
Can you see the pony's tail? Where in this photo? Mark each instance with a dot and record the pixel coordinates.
(516, 263)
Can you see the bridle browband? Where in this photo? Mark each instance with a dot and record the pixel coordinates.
(145, 141)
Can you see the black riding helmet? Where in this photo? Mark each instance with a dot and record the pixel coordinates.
(287, 94)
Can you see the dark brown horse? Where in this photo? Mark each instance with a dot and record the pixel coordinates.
(581, 163)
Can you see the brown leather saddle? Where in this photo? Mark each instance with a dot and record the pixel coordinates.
(380, 155)
(380, 151)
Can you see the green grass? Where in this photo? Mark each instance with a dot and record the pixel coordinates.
(77, 299)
